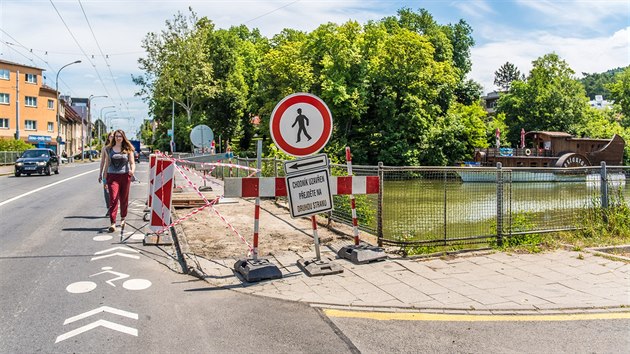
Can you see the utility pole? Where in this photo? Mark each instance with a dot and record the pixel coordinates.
(17, 105)
(89, 114)
(57, 92)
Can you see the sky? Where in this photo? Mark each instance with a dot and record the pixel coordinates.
(591, 36)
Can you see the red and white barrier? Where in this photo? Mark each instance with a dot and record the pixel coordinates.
(251, 187)
(161, 196)
(152, 160)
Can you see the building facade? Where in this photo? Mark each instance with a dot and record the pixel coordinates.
(28, 108)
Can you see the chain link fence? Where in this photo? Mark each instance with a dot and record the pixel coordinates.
(9, 157)
(469, 206)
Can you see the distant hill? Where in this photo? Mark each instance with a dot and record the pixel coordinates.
(594, 84)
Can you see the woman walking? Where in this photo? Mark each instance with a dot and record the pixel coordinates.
(104, 157)
(118, 171)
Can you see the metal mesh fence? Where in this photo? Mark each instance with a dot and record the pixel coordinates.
(9, 157)
(466, 205)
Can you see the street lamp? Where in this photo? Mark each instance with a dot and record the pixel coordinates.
(107, 127)
(57, 91)
(89, 114)
(102, 123)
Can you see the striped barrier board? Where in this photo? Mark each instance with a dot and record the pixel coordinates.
(276, 186)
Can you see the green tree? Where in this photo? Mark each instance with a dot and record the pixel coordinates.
(550, 99)
(505, 75)
(176, 68)
(620, 93)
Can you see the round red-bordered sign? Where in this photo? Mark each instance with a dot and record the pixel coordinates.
(301, 124)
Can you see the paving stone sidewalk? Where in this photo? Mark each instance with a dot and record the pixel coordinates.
(494, 282)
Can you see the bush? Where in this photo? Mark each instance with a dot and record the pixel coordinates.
(14, 145)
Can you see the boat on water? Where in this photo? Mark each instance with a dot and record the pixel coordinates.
(551, 154)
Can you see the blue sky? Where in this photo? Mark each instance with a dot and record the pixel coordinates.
(592, 36)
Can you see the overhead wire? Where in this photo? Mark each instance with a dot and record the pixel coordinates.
(80, 47)
(17, 43)
(104, 58)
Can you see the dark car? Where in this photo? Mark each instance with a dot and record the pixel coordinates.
(42, 161)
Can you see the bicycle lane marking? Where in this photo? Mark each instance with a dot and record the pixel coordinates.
(44, 187)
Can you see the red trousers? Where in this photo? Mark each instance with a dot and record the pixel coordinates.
(118, 186)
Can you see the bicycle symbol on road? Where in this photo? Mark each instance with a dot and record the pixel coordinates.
(81, 287)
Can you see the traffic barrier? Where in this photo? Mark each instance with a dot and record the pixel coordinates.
(251, 187)
(152, 160)
(357, 253)
(161, 196)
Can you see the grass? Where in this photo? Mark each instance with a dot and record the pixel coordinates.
(598, 227)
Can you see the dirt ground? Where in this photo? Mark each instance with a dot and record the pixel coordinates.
(207, 235)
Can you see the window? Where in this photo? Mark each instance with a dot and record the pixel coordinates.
(4, 98)
(30, 101)
(4, 74)
(51, 104)
(51, 127)
(4, 123)
(31, 78)
(30, 124)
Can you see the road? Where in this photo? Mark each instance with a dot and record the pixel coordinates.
(68, 287)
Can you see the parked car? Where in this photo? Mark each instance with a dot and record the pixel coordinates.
(42, 161)
(94, 153)
(136, 156)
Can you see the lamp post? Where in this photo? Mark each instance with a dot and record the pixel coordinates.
(107, 127)
(57, 91)
(89, 114)
(100, 135)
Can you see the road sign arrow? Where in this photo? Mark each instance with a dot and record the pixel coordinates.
(306, 163)
(126, 255)
(297, 166)
(95, 324)
(99, 323)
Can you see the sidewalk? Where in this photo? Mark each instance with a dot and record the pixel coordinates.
(6, 170)
(490, 283)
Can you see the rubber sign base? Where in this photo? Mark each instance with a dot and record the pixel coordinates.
(315, 267)
(362, 254)
(164, 239)
(254, 270)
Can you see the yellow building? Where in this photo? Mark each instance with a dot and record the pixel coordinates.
(28, 108)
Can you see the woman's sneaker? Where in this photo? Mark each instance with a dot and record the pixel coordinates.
(112, 228)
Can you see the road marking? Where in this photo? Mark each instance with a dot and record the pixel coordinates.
(44, 187)
(115, 254)
(95, 324)
(117, 248)
(81, 287)
(99, 310)
(408, 316)
(102, 238)
(137, 284)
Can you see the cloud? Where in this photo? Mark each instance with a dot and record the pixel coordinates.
(590, 55)
(477, 8)
(578, 14)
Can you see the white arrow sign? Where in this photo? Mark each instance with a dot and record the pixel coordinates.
(306, 163)
(127, 249)
(99, 323)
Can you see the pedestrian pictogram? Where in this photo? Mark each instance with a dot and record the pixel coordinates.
(301, 124)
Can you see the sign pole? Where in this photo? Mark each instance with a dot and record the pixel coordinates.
(257, 207)
(316, 238)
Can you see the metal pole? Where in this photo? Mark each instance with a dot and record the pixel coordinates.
(257, 206)
(379, 213)
(173, 129)
(57, 93)
(499, 204)
(604, 185)
(89, 114)
(17, 105)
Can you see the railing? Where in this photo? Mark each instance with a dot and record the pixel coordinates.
(466, 205)
(9, 157)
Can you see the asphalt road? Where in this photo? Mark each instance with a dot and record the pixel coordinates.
(66, 288)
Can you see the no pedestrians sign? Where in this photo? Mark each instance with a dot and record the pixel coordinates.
(301, 124)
